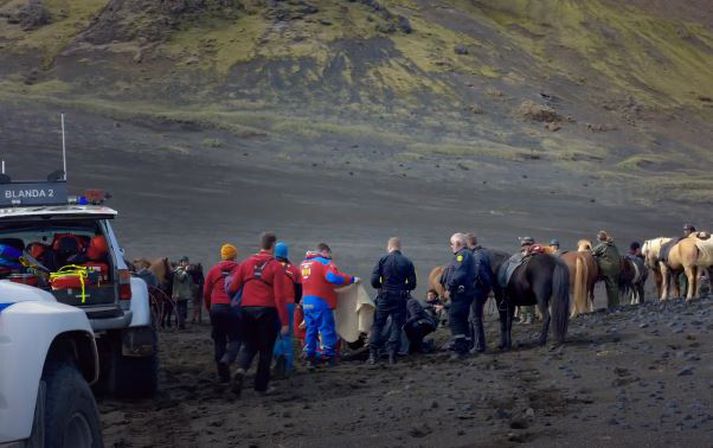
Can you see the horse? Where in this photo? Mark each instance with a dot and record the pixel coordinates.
(161, 268)
(690, 255)
(583, 274)
(496, 258)
(651, 250)
(632, 277)
(543, 281)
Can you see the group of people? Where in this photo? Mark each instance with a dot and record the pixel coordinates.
(258, 304)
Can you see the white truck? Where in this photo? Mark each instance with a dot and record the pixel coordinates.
(66, 245)
(48, 358)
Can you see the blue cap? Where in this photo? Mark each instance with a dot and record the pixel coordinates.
(281, 250)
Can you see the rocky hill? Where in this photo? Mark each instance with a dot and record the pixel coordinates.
(619, 90)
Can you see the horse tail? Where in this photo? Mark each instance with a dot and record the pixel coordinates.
(560, 301)
(580, 286)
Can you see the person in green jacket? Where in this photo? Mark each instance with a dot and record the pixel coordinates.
(609, 261)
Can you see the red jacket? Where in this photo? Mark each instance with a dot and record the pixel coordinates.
(293, 273)
(319, 278)
(214, 288)
(273, 290)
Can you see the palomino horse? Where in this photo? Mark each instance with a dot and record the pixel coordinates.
(542, 281)
(496, 258)
(689, 255)
(583, 274)
(632, 277)
(651, 250)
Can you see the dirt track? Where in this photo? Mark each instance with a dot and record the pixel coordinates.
(638, 377)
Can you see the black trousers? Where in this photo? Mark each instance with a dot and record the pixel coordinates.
(416, 329)
(458, 320)
(476, 323)
(259, 329)
(388, 304)
(225, 321)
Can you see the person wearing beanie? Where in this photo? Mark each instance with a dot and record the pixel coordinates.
(283, 352)
(607, 256)
(224, 318)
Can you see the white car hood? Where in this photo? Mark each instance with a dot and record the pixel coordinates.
(11, 292)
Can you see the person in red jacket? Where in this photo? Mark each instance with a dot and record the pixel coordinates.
(265, 291)
(224, 318)
(319, 278)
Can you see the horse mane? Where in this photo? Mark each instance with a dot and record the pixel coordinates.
(583, 245)
(654, 245)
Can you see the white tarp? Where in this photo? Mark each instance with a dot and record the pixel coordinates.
(354, 313)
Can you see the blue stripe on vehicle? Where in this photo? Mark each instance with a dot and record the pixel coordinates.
(5, 305)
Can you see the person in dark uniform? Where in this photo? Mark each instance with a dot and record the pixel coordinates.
(394, 277)
(607, 256)
(483, 285)
(420, 323)
(459, 280)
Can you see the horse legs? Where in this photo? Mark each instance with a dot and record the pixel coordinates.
(665, 275)
(507, 314)
(692, 287)
(546, 317)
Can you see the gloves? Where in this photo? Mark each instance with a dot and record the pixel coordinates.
(356, 279)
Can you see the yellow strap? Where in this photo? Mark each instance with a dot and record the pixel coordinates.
(72, 270)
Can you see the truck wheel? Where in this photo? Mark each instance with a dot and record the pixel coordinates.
(71, 417)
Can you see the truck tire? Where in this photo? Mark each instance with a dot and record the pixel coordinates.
(71, 418)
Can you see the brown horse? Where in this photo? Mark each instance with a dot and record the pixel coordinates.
(160, 267)
(689, 255)
(583, 274)
(651, 250)
(496, 258)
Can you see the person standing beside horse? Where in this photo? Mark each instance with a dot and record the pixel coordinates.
(459, 281)
(224, 318)
(196, 271)
(483, 285)
(183, 290)
(266, 290)
(609, 261)
(394, 277)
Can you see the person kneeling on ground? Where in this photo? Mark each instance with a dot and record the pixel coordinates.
(224, 318)
(266, 290)
(419, 324)
(319, 278)
(394, 277)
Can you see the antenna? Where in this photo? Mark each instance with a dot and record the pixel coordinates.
(3, 167)
(64, 151)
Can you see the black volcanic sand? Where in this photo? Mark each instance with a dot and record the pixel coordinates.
(640, 377)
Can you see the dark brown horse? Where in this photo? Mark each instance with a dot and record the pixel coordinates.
(496, 258)
(632, 277)
(543, 281)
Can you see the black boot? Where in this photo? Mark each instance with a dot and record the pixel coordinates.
(223, 372)
(373, 357)
(392, 358)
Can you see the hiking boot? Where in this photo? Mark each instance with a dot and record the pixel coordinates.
(223, 372)
(373, 358)
(312, 363)
(280, 370)
(330, 361)
(392, 358)
(237, 386)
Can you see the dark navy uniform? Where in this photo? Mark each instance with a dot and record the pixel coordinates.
(459, 279)
(483, 284)
(394, 277)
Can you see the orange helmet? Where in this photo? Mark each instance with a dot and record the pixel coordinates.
(98, 248)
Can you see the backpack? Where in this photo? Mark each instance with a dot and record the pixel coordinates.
(258, 269)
